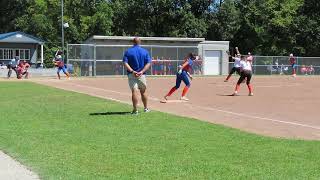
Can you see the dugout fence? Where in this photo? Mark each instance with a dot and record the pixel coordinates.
(102, 60)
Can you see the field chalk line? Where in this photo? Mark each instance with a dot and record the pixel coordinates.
(201, 107)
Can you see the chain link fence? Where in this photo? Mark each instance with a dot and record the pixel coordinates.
(280, 65)
(101, 60)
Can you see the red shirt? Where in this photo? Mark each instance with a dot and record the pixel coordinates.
(188, 66)
(59, 63)
(292, 60)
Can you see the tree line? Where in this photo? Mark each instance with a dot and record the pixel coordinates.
(264, 27)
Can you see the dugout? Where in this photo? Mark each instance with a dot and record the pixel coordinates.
(20, 44)
(102, 55)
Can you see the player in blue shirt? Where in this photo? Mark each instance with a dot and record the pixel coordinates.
(183, 75)
(137, 61)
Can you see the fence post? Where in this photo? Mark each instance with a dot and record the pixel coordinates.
(67, 54)
(297, 65)
(254, 65)
(94, 61)
(123, 71)
(151, 61)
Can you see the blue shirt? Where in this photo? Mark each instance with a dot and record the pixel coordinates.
(137, 57)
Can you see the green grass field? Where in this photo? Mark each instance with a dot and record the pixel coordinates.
(66, 135)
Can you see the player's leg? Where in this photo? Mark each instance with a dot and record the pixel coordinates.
(26, 74)
(230, 74)
(9, 71)
(65, 72)
(58, 72)
(186, 81)
(174, 88)
(19, 72)
(293, 69)
(242, 77)
(15, 70)
(249, 76)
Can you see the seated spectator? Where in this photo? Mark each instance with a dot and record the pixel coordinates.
(311, 70)
(304, 70)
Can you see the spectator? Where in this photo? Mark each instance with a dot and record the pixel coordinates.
(304, 70)
(311, 70)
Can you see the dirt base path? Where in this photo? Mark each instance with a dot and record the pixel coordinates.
(282, 106)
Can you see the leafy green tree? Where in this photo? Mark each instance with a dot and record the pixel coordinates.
(306, 29)
(10, 10)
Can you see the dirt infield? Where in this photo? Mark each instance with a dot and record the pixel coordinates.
(282, 106)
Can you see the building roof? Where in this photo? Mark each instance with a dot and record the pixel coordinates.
(129, 38)
(19, 37)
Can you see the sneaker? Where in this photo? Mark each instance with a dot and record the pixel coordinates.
(184, 98)
(135, 113)
(166, 98)
(250, 94)
(235, 94)
(146, 110)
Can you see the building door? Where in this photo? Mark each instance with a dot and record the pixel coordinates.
(212, 61)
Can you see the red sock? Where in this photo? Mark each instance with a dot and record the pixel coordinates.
(250, 88)
(228, 77)
(237, 87)
(172, 91)
(185, 90)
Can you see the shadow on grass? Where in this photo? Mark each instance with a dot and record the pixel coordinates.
(109, 113)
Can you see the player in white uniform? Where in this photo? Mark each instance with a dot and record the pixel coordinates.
(236, 65)
(246, 73)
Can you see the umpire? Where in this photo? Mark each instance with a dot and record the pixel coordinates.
(13, 66)
(137, 61)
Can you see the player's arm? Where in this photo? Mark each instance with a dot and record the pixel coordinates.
(184, 64)
(237, 50)
(189, 75)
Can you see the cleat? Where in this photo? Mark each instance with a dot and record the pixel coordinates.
(250, 94)
(135, 113)
(146, 110)
(235, 94)
(225, 81)
(183, 98)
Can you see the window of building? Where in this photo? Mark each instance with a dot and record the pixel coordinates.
(6, 54)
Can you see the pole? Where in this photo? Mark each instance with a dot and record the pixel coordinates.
(62, 30)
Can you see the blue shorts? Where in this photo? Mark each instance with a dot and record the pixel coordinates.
(293, 65)
(63, 68)
(182, 77)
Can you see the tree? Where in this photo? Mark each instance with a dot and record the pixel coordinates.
(307, 30)
(10, 9)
